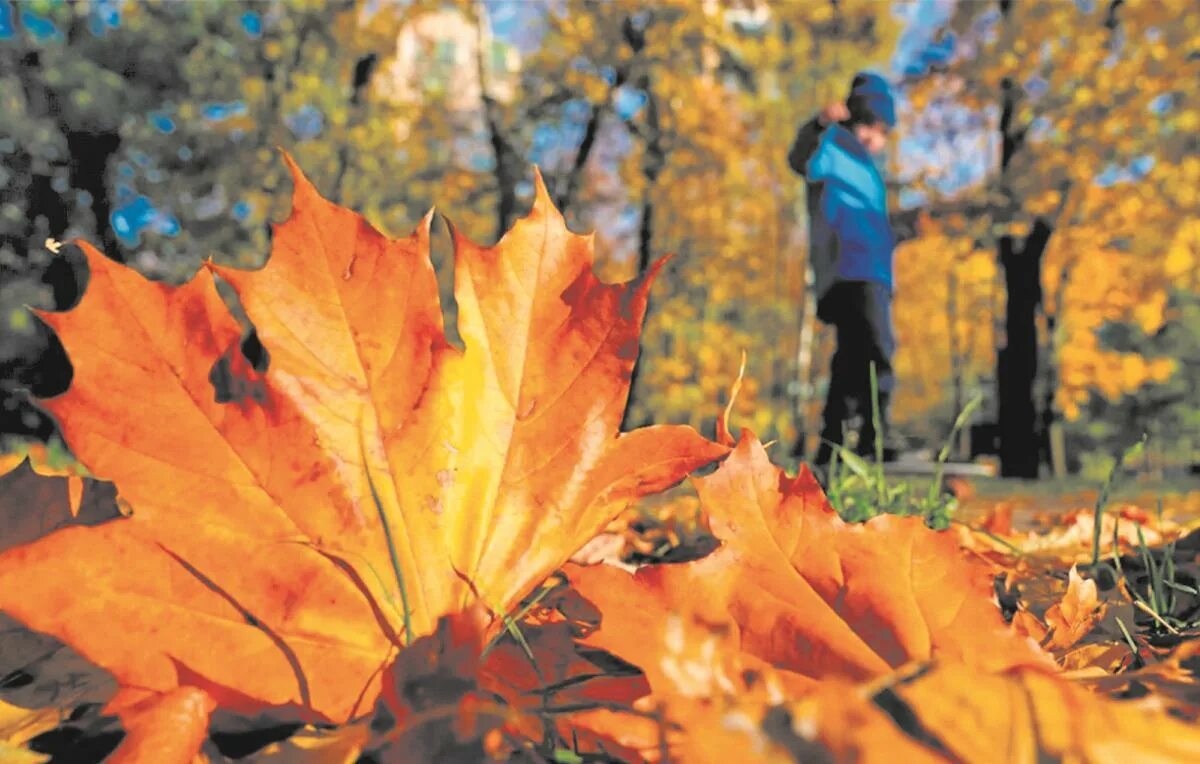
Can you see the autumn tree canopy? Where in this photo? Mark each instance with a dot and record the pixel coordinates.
(664, 131)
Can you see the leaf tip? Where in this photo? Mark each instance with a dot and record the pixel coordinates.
(300, 182)
(426, 224)
(541, 195)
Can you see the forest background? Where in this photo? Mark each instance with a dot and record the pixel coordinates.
(1046, 178)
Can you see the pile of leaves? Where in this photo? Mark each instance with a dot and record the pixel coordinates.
(357, 547)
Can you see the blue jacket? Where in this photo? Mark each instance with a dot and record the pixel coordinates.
(851, 237)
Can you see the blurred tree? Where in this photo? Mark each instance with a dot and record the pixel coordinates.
(1080, 94)
(687, 112)
(150, 129)
(943, 322)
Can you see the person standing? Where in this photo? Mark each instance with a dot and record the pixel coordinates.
(840, 154)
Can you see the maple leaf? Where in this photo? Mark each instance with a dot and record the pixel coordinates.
(267, 560)
(807, 592)
(1076, 614)
(795, 603)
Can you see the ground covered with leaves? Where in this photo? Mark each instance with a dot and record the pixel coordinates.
(370, 545)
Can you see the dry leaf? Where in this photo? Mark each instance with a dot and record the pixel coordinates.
(808, 592)
(1077, 614)
(492, 465)
(1107, 657)
(1173, 682)
(343, 745)
(167, 729)
(1027, 715)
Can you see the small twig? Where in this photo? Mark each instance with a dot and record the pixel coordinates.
(1140, 605)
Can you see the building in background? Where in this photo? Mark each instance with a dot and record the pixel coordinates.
(438, 58)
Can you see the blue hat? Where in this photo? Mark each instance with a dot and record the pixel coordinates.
(875, 92)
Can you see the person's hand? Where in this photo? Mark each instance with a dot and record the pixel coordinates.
(834, 112)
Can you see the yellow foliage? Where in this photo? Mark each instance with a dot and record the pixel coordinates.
(943, 316)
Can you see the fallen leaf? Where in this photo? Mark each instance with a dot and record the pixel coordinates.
(1077, 614)
(10, 754)
(492, 466)
(606, 547)
(168, 729)
(20, 725)
(807, 592)
(1026, 624)
(438, 706)
(1071, 537)
(1174, 682)
(1108, 657)
(512, 678)
(342, 745)
(42, 681)
(844, 721)
(1029, 715)
(999, 519)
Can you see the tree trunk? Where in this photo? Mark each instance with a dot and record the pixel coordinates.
(509, 165)
(1016, 362)
(635, 37)
(654, 159)
(1016, 368)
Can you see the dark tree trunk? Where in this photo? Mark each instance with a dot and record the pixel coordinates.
(508, 171)
(510, 168)
(1017, 361)
(635, 38)
(653, 161)
(90, 154)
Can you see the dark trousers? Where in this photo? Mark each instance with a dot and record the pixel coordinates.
(861, 311)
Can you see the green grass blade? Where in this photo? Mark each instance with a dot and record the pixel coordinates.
(1182, 588)
(833, 483)
(1155, 588)
(391, 544)
(877, 425)
(1115, 552)
(515, 619)
(960, 422)
(1102, 500)
(856, 464)
(1129, 639)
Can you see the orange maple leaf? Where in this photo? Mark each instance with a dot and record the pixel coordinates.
(267, 560)
(1076, 614)
(807, 592)
(756, 647)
